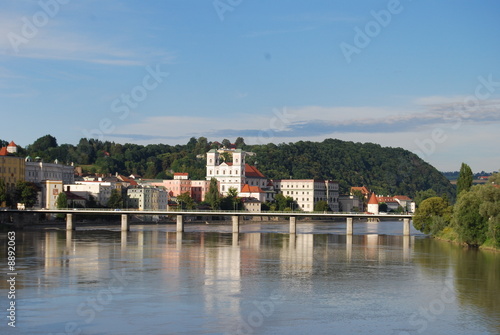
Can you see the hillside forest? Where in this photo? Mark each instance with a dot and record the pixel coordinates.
(384, 170)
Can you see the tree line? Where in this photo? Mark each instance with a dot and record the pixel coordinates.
(475, 217)
(385, 170)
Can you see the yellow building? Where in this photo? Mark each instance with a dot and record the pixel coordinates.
(11, 170)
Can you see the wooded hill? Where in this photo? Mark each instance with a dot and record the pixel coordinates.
(385, 170)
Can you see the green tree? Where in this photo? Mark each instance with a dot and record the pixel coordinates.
(477, 215)
(284, 203)
(465, 178)
(231, 200)
(422, 195)
(44, 143)
(26, 193)
(470, 225)
(62, 201)
(240, 143)
(185, 201)
(495, 178)
(321, 206)
(362, 199)
(91, 202)
(490, 211)
(433, 215)
(382, 207)
(115, 199)
(213, 196)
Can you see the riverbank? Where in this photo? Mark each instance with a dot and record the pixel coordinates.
(448, 234)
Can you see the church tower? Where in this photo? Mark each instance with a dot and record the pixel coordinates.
(212, 163)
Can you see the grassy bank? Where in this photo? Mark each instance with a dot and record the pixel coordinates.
(450, 235)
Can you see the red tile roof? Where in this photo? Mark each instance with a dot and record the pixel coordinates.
(363, 189)
(386, 199)
(12, 144)
(127, 180)
(3, 151)
(252, 172)
(251, 189)
(181, 174)
(373, 200)
(402, 197)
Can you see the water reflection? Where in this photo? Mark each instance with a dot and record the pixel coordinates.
(475, 273)
(218, 279)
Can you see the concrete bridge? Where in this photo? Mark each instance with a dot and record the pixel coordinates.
(236, 216)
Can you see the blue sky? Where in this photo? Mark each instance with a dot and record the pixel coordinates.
(422, 75)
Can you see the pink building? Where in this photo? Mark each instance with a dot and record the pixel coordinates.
(182, 184)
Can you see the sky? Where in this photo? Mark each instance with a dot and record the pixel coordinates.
(421, 75)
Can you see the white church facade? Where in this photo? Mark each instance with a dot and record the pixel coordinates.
(243, 177)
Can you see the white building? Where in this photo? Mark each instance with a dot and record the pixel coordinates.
(99, 190)
(373, 204)
(407, 203)
(307, 192)
(38, 171)
(236, 174)
(253, 192)
(228, 174)
(148, 198)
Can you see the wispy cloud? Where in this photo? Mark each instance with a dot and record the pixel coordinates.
(315, 120)
(57, 41)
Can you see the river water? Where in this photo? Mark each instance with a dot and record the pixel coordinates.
(207, 280)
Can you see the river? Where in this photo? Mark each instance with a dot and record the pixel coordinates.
(207, 280)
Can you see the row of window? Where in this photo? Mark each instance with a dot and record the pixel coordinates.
(237, 172)
(8, 170)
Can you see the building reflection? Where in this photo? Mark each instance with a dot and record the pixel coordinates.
(216, 270)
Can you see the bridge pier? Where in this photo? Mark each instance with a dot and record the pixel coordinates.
(293, 224)
(69, 222)
(125, 223)
(406, 227)
(348, 229)
(180, 224)
(236, 223)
